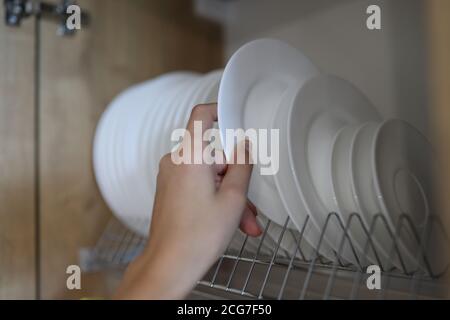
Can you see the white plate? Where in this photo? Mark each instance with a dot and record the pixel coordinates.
(285, 182)
(130, 173)
(147, 133)
(207, 91)
(365, 196)
(192, 90)
(186, 101)
(101, 161)
(341, 169)
(403, 181)
(105, 145)
(320, 109)
(198, 97)
(167, 123)
(134, 208)
(361, 173)
(180, 105)
(212, 90)
(160, 102)
(155, 145)
(115, 146)
(133, 177)
(251, 88)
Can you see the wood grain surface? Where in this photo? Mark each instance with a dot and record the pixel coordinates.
(438, 12)
(127, 42)
(17, 174)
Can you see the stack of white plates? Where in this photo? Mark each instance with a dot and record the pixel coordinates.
(335, 153)
(134, 133)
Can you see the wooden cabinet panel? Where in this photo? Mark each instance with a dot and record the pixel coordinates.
(439, 55)
(127, 42)
(17, 174)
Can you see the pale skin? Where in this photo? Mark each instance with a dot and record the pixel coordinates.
(197, 210)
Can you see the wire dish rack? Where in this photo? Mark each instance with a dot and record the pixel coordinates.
(262, 268)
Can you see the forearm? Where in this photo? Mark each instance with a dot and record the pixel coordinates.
(197, 209)
(170, 274)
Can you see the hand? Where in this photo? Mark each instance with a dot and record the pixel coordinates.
(196, 212)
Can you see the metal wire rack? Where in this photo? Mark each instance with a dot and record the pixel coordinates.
(263, 268)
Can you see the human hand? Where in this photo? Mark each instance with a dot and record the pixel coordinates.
(197, 209)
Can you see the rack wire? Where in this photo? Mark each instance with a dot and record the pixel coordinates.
(262, 268)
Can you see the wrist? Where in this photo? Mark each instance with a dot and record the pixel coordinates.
(165, 273)
(168, 271)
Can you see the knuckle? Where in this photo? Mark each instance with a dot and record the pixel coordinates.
(165, 161)
(199, 109)
(235, 193)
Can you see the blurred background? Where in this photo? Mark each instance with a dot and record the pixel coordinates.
(53, 89)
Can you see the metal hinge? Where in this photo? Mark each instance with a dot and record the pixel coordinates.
(18, 10)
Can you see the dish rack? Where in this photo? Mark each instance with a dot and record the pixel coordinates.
(249, 272)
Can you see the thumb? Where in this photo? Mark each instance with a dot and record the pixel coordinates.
(236, 180)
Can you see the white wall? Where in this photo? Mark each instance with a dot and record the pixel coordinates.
(387, 65)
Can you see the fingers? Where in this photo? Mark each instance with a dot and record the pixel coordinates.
(207, 113)
(220, 166)
(249, 224)
(204, 114)
(237, 176)
(199, 136)
(252, 207)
